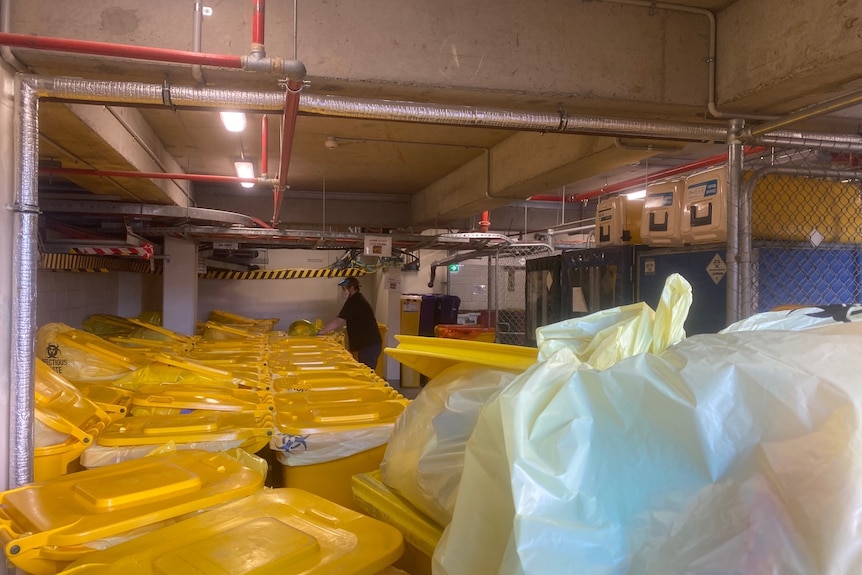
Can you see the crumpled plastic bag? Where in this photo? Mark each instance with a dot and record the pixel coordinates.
(425, 455)
(603, 338)
(735, 453)
(805, 317)
(312, 448)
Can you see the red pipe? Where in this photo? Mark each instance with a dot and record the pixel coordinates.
(291, 110)
(484, 222)
(120, 50)
(258, 22)
(640, 181)
(264, 146)
(150, 175)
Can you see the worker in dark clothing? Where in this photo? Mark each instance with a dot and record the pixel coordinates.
(363, 335)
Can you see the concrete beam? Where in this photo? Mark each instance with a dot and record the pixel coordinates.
(596, 53)
(135, 145)
(521, 166)
(774, 57)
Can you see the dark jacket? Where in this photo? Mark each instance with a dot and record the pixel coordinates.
(362, 329)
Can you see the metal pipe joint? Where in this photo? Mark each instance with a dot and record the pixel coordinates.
(256, 62)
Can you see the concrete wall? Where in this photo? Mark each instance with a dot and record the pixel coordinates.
(311, 211)
(288, 300)
(71, 298)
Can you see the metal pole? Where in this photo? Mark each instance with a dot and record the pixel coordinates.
(735, 157)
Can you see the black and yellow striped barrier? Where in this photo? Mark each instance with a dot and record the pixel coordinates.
(94, 264)
(287, 274)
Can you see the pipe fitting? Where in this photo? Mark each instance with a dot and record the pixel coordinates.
(293, 69)
(257, 52)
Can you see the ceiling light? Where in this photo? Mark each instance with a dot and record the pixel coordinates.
(233, 121)
(636, 195)
(245, 170)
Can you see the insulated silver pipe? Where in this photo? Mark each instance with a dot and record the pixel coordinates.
(76, 89)
(24, 286)
(404, 111)
(747, 304)
(812, 112)
(839, 142)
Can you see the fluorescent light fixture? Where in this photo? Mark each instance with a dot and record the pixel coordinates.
(233, 121)
(637, 195)
(245, 169)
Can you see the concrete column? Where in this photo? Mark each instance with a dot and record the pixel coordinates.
(7, 227)
(388, 311)
(180, 286)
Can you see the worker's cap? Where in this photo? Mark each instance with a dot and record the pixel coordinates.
(349, 282)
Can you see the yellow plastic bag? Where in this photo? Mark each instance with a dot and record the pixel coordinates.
(728, 453)
(603, 338)
(78, 355)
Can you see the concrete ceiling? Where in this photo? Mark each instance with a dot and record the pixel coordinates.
(593, 58)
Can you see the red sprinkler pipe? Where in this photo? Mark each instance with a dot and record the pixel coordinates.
(258, 22)
(291, 109)
(484, 222)
(264, 146)
(120, 50)
(639, 181)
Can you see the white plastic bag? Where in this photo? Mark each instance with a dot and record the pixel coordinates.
(425, 455)
(800, 318)
(734, 453)
(313, 448)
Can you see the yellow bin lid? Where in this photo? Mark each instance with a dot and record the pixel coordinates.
(431, 355)
(62, 407)
(290, 400)
(72, 510)
(282, 384)
(187, 397)
(273, 532)
(102, 349)
(189, 428)
(337, 416)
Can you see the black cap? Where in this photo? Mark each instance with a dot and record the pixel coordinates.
(349, 282)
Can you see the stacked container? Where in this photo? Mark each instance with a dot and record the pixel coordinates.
(333, 416)
(66, 424)
(272, 532)
(704, 207)
(47, 525)
(158, 451)
(618, 221)
(660, 222)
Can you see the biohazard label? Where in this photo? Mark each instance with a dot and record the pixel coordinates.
(716, 269)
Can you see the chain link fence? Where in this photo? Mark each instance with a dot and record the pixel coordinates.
(493, 285)
(804, 235)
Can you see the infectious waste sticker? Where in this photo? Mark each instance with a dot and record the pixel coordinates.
(716, 269)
